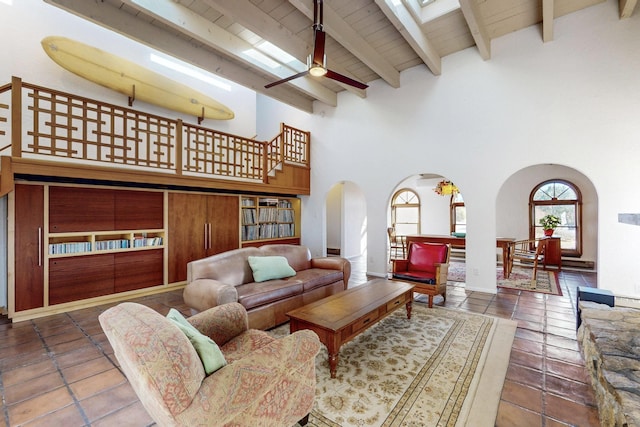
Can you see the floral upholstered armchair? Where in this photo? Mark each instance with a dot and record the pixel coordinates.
(265, 382)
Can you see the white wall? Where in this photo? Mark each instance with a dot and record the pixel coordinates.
(573, 101)
(26, 22)
(334, 217)
(354, 220)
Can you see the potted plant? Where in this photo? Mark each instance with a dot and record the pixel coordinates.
(549, 223)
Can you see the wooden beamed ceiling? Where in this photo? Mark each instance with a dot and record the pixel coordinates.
(367, 39)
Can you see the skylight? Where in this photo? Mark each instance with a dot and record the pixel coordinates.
(189, 70)
(262, 58)
(275, 52)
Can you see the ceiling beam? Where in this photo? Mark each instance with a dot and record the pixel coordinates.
(248, 15)
(344, 34)
(547, 20)
(401, 18)
(626, 7)
(478, 28)
(103, 14)
(184, 20)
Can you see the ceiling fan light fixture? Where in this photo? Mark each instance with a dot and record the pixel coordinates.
(317, 70)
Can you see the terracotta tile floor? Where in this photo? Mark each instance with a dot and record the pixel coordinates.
(60, 371)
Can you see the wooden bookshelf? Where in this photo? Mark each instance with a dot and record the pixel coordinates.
(266, 219)
(73, 244)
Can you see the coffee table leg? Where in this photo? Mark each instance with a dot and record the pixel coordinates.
(333, 348)
(333, 364)
(409, 307)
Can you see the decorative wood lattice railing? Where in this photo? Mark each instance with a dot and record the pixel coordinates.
(75, 128)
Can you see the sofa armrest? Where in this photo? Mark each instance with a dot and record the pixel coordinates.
(202, 294)
(222, 323)
(399, 265)
(442, 271)
(334, 263)
(238, 389)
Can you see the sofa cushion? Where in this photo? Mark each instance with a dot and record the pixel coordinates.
(316, 277)
(424, 256)
(270, 267)
(208, 351)
(417, 276)
(255, 294)
(299, 257)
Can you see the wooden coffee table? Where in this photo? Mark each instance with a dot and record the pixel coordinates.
(340, 317)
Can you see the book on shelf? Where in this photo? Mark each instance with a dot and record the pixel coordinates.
(105, 245)
(285, 215)
(141, 242)
(69, 248)
(248, 216)
(268, 215)
(268, 202)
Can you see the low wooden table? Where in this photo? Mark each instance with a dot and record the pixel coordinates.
(340, 317)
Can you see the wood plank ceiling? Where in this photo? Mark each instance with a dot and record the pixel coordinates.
(366, 39)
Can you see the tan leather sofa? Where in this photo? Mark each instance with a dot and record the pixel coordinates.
(227, 277)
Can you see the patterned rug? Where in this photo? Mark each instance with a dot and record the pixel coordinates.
(420, 372)
(520, 278)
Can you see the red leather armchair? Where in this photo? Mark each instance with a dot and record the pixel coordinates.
(427, 265)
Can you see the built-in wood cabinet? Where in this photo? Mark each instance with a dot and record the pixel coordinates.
(79, 245)
(200, 225)
(29, 247)
(73, 243)
(267, 219)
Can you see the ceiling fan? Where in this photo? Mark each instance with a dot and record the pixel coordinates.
(317, 62)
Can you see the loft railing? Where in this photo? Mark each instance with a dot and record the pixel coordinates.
(43, 123)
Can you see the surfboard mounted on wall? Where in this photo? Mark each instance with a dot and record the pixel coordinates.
(131, 79)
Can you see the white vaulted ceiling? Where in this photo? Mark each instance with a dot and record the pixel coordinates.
(366, 39)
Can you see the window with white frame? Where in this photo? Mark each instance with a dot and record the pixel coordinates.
(405, 212)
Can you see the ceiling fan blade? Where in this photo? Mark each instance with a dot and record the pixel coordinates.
(318, 48)
(295, 76)
(346, 80)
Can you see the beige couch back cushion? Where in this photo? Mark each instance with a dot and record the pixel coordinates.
(232, 267)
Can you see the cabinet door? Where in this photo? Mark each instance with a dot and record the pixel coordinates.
(223, 217)
(139, 210)
(81, 277)
(80, 209)
(29, 246)
(137, 270)
(187, 230)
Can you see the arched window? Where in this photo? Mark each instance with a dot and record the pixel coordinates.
(458, 214)
(562, 199)
(405, 212)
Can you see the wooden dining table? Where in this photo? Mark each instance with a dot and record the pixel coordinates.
(461, 242)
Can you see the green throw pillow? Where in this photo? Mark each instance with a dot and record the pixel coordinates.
(270, 267)
(209, 352)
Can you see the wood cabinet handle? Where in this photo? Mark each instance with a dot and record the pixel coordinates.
(210, 244)
(39, 246)
(205, 235)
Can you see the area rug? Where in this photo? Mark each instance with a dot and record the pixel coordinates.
(427, 371)
(521, 278)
